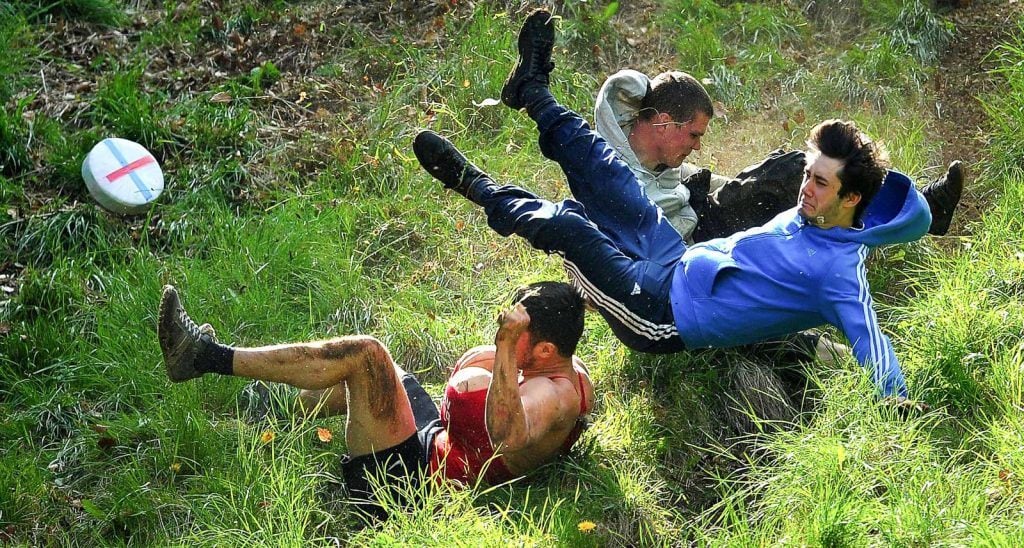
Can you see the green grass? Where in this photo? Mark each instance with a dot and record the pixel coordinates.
(100, 12)
(1008, 150)
(283, 223)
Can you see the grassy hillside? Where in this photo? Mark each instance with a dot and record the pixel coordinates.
(295, 210)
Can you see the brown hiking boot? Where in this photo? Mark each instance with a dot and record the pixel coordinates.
(180, 338)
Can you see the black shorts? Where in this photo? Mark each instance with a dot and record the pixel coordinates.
(401, 467)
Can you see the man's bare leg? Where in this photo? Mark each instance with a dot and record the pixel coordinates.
(379, 414)
(327, 402)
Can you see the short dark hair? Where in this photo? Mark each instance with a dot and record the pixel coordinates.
(864, 161)
(677, 94)
(556, 314)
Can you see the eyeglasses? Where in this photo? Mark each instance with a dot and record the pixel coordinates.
(673, 123)
(656, 112)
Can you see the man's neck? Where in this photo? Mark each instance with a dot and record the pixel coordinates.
(639, 141)
(821, 222)
(561, 366)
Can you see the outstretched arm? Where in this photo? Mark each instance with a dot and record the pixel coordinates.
(852, 310)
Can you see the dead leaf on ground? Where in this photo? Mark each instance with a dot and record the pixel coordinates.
(221, 97)
(324, 435)
(106, 443)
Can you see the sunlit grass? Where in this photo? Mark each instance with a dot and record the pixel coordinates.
(335, 229)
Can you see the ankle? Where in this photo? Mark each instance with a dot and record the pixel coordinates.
(214, 357)
(537, 99)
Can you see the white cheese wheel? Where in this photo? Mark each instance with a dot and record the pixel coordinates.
(122, 176)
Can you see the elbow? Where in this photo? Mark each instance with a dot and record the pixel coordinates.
(508, 442)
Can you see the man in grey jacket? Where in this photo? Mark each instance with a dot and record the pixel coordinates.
(654, 123)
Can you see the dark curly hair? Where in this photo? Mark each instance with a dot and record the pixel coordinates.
(556, 314)
(864, 162)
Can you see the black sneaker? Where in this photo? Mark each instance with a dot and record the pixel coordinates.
(444, 162)
(536, 39)
(180, 338)
(943, 196)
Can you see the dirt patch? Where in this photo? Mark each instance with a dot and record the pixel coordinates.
(963, 75)
(962, 79)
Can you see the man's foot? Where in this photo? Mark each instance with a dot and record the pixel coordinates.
(943, 196)
(530, 75)
(444, 162)
(180, 338)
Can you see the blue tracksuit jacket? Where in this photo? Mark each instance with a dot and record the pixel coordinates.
(789, 275)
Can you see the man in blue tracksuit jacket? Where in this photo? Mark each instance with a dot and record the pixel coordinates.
(803, 269)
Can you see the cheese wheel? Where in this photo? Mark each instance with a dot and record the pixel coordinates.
(122, 176)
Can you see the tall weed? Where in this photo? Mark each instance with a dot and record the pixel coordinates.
(129, 112)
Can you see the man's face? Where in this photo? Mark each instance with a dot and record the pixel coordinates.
(682, 138)
(524, 351)
(819, 194)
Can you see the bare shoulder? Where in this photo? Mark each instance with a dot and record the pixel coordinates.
(588, 383)
(478, 356)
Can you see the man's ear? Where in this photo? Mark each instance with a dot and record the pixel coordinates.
(545, 350)
(663, 119)
(851, 199)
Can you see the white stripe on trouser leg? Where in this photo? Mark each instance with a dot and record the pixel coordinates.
(638, 325)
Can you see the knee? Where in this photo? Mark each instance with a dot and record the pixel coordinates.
(569, 215)
(355, 346)
(374, 362)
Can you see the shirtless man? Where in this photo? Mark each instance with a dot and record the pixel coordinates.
(507, 408)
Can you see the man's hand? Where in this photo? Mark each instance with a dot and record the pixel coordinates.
(512, 323)
(906, 407)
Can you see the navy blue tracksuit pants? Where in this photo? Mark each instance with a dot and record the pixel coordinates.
(618, 248)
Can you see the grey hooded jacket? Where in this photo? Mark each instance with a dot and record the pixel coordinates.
(616, 110)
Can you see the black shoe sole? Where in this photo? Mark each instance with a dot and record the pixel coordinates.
(539, 22)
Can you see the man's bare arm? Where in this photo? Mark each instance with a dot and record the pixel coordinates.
(505, 415)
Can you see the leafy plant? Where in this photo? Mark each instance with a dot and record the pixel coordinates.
(1008, 128)
(264, 76)
(103, 12)
(127, 111)
(15, 134)
(18, 51)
